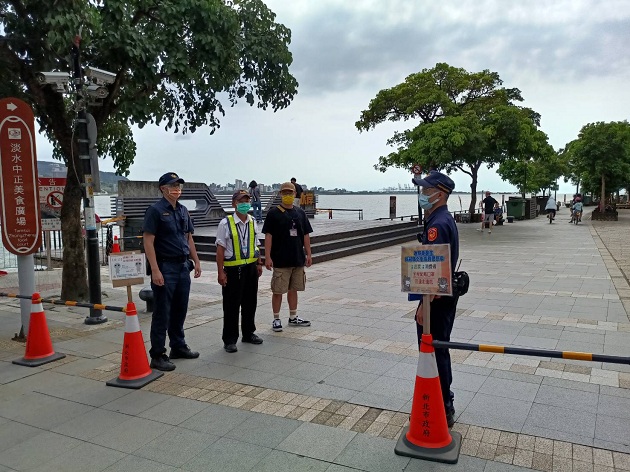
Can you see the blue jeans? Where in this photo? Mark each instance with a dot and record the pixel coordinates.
(257, 207)
(171, 305)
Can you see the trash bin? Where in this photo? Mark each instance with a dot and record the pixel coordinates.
(516, 208)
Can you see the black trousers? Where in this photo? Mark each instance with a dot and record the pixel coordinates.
(240, 293)
(442, 318)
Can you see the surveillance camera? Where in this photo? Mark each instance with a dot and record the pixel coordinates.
(54, 78)
(100, 76)
(97, 91)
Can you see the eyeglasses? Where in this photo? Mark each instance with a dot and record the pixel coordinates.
(175, 186)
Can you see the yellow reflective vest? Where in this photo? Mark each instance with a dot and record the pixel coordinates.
(241, 257)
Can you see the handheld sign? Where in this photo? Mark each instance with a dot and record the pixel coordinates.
(426, 269)
(21, 225)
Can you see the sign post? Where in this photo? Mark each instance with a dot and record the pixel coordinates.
(416, 170)
(21, 222)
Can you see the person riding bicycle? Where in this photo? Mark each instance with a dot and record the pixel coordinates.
(576, 211)
(550, 208)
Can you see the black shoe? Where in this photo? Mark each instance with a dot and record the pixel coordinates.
(450, 416)
(162, 363)
(254, 339)
(230, 348)
(183, 353)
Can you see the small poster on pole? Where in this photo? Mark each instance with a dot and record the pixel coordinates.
(426, 269)
(127, 268)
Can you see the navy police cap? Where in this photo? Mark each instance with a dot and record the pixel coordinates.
(170, 178)
(437, 180)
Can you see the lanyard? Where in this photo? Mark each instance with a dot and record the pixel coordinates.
(243, 236)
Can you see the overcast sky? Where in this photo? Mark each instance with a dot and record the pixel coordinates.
(568, 57)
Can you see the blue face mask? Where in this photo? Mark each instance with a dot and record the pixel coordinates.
(243, 208)
(424, 201)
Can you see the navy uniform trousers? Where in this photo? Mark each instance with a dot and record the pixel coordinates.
(171, 305)
(442, 319)
(240, 293)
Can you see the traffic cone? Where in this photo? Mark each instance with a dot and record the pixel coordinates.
(427, 436)
(134, 366)
(115, 246)
(39, 349)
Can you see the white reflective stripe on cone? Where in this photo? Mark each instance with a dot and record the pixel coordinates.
(132, 325)
(37, 308)
(427, 366)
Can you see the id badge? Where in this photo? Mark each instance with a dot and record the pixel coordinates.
(293, 232)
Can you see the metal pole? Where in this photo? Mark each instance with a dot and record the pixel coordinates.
(91, 235)
(26, 283)
(48, 250)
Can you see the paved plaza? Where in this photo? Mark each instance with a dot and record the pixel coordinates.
(335, 396)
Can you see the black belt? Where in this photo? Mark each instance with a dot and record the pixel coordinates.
(178, 259)
(239, 267)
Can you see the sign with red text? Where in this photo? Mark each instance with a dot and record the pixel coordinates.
(50, 201)
(19, 193)
(426, 268)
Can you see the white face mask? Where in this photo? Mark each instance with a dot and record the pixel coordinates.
(424, 201)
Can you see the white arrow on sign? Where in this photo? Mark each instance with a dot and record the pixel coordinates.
(11, 106)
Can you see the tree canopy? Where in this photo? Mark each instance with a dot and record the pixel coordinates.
(177, 63)
(600, 157)
(460, 120)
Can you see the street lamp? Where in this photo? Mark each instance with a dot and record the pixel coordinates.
(96, 89)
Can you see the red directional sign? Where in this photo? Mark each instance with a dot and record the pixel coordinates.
(19, 194)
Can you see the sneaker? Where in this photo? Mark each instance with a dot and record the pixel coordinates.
(183, 353)
(162, 363)
(297, 321)
(276, 325)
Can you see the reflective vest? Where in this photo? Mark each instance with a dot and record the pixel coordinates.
(240, 257)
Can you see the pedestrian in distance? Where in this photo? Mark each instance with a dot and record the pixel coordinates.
(239, 266)
(440, 228)
(254, 197)
(287, 250)
(169, 248)
(487, 204)
(298, 192)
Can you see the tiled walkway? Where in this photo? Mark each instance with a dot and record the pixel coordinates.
(335, 396)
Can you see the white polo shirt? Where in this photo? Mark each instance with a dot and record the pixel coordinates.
(224, 238)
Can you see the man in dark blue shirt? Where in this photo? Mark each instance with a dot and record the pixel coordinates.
(169, 248)
(440, 228)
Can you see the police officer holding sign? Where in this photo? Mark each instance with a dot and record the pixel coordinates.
(169, 247)
(439, 228)
(239, 267)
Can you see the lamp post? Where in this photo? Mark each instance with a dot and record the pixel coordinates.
(91, 235)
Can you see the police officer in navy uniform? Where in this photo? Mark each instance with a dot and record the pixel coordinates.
(440, 228)
(169, 248)
(238, 267)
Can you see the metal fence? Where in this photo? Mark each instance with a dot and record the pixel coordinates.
(51, 250)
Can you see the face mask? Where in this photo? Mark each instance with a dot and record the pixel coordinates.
(424, 201)
(288, 199)
(243, 208)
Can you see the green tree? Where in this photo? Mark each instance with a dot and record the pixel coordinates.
(176, 63)
(533, 164)
(600, 157)
(462, 120)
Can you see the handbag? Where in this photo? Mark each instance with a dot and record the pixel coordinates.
(461, 281)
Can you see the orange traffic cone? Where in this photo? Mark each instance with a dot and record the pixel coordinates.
(134, 366)
(427, 436)
(39, 349)
(115, 246)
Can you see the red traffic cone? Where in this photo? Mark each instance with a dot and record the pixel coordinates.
(427, 436)
(39, 349)
(134, 366)
(115, 246)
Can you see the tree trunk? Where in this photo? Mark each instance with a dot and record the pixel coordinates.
(74, 274)
(602, 201)
(473, 193)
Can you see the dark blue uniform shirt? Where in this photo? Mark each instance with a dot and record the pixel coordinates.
(440, 228)
(170, 227)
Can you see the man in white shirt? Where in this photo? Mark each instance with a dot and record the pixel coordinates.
(238, 271)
